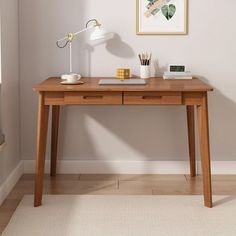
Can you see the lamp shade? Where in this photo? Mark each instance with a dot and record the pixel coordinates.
(98, 33)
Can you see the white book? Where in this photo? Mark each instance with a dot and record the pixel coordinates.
(178, 75)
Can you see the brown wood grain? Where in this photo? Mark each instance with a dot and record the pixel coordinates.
(191, 140)
(43, 112)
(54, 98)
(205, 150)
(93, 98)
(152, 98)
(153, 84)
(192, 98)
(54, 138)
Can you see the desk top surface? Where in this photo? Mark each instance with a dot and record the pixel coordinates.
(153, 84)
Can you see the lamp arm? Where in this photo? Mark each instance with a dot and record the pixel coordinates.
(70, 36)
(79, 32)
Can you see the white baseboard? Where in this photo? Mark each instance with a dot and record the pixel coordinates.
(131, 167)
(10, 182)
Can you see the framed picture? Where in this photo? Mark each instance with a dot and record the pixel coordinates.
(161, 17)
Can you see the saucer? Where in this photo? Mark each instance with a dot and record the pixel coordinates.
(72, 83)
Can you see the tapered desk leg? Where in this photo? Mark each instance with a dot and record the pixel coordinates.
(205, 150)
(191, 140)
(54, 138)
(43, 111)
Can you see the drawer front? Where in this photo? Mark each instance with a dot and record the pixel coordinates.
(153, 98)
(93, 98)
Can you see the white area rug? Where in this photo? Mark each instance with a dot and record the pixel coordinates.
(124, 216)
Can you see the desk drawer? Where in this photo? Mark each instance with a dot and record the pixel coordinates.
(152, 98)
(93, 98)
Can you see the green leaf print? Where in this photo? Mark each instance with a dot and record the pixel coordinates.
(168, 11)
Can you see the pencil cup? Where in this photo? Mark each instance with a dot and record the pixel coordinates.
(145, 72)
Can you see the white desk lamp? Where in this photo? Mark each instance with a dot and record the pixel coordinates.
(98, 33)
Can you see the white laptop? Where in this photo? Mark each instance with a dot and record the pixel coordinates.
(122, 82)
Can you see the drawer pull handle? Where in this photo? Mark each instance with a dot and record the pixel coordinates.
(92, 97)
(152, 97)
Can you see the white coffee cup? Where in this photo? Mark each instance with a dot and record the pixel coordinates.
(71, 78)
(145, 72)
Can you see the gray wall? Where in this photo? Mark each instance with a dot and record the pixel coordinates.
(128, 133)
(10, 157)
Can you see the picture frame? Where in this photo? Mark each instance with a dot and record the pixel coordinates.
(169, 18)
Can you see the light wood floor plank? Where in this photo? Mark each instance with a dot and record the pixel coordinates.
(48, 177)
(221, 184)
(103, 177)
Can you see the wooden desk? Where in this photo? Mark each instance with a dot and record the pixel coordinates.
(189, 93)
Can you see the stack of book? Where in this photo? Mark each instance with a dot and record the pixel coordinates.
(177, 75)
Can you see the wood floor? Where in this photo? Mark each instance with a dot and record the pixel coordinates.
(114, 185)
